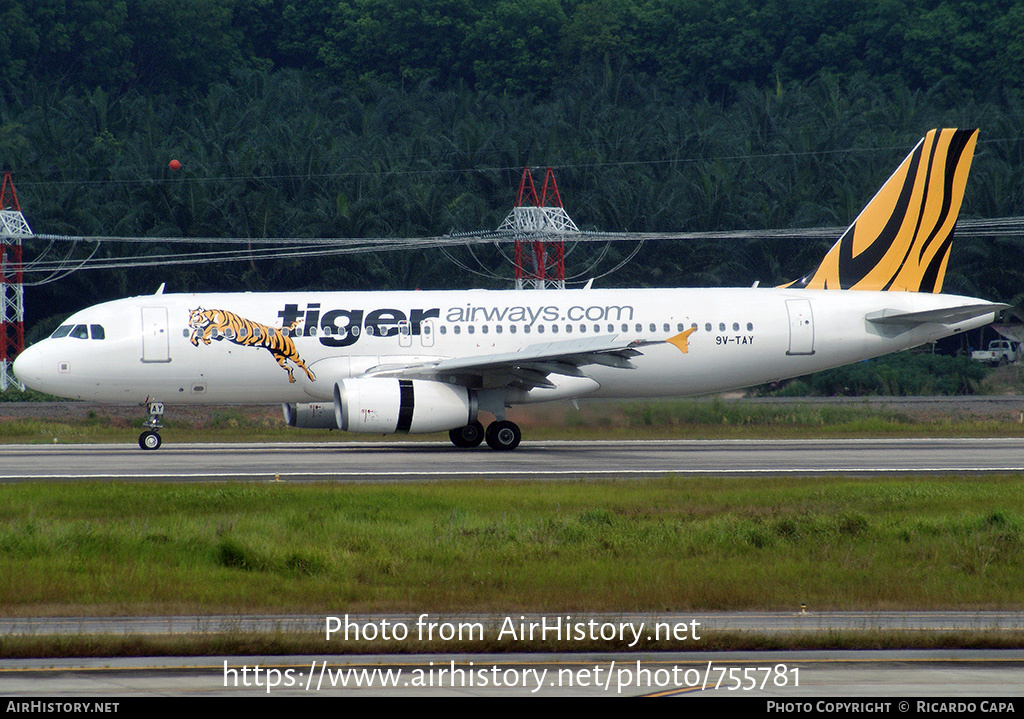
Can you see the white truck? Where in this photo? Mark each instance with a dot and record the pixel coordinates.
(998, 352)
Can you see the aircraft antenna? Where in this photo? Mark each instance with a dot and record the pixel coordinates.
(537, 224)
(13, 227)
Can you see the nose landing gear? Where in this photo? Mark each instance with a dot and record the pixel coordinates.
(150, 439)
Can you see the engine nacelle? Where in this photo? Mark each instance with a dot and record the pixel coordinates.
(384, 405)
(310, 415)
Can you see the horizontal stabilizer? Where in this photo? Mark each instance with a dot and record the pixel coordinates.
(944, 315)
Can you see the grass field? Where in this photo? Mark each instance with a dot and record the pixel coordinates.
(670, 544)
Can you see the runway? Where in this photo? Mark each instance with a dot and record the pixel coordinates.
(696, 623)
(992, 677)
(534, 460)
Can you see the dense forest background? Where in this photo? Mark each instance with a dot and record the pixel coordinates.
(396, 118)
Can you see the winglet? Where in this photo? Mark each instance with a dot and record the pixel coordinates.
(901, 240)
(682, 340)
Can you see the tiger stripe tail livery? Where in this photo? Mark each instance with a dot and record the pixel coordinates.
(901, 240)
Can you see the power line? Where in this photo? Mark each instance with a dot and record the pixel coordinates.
(435, 156)
(276, 248)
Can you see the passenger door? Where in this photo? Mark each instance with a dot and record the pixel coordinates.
(155, 341)
(801, 327)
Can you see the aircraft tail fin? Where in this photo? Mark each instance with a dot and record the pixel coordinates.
(901, 240)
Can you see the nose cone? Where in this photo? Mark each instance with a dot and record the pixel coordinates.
(30, 368)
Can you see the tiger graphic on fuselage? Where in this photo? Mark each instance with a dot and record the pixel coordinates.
(221, 324)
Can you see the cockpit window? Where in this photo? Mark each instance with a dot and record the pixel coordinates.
(80, 332)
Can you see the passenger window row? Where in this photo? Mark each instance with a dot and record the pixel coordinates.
(570, 328)
(405, 329)
(525, 329)
(722, 327)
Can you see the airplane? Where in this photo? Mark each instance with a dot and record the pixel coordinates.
(433, 361)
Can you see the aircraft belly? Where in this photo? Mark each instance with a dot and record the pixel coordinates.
(710, 365)
(182, 380)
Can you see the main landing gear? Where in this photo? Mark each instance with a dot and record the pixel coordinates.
(150, 439)
(469, 436)
(501, 435)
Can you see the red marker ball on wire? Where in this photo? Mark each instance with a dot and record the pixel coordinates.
(174, 165)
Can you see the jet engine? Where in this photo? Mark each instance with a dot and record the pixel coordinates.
(385, 405)
(310, 415)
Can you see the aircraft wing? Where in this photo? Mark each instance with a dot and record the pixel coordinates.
(944, 315)
(528, 368)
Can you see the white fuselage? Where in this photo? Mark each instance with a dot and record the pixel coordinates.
(743, 337)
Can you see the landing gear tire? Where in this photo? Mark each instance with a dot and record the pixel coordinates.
(149, 440)
(503, 435)
(469, 436)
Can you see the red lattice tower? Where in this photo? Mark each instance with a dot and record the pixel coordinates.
(13, 227)
(537, 223)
